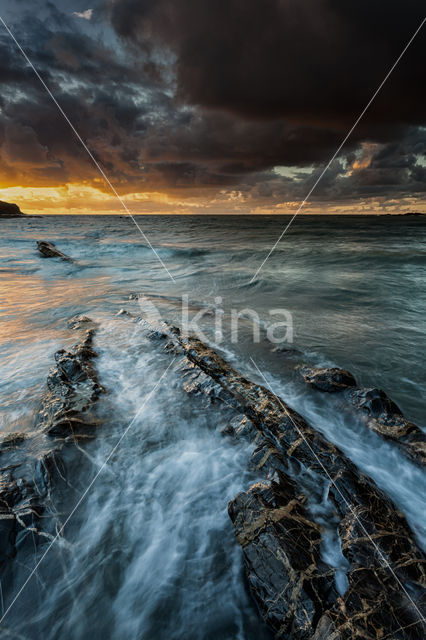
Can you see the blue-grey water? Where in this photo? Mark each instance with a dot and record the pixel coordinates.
(151, 553)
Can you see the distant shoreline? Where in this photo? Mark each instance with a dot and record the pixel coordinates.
(11, 210)
(226, 215)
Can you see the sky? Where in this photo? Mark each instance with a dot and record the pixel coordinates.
(213, 106)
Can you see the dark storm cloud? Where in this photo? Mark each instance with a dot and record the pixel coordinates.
(283, 80)
(314, 60)
(107, 99)
(192, 94)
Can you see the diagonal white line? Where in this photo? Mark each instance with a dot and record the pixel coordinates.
(422, 619)
(86, 491)
(333, 157)
(92, 157)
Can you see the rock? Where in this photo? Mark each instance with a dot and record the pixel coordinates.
(73, 388)
(377, 410)
(196, 381)
(10, 210)
(375, 605)
(26, 516)
(239, 426)
(49, 250)
(376, 404)
(291, 584)
(281, 547)
(385, 418)
(228, 430)
(80, 322)
(32, 465)
(152, 333)
(287, 351)
(372, 607)
(328, 379)
(12, 440)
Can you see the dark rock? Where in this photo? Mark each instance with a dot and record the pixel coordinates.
(289, 581)
(376, 404)
(49, 250)
(287, 351)
(240, 426)
(328, 379)
(10, 210)
(228, 430)
(12, 440)
(32, 464)
(73, 387)
(80, 322)
(196, 381)
(281, 547)
(374, 606)
(385, 418)
(378, 411)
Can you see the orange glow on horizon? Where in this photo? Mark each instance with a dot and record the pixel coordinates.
(86, 199)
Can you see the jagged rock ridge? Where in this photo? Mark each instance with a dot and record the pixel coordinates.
(31, 464)
(291, 584)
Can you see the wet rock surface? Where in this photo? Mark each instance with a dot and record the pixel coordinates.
(32, 464)
(374, 606)
(291, 584)
(375, 408)
(49, 250)
(385, 418)
(72, 389)
(275, 523)
(328, 379)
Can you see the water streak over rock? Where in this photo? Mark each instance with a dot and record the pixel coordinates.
(288, 579)
(375, 408)
(33, 464)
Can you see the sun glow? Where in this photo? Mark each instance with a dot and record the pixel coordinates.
(81, 199)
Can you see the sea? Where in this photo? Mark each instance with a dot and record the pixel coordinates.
(151, 552)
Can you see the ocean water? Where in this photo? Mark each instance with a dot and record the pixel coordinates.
(151, 552)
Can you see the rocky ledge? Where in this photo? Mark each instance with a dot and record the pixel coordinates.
(277, 524)
(375, 408)
(308, 485)
(31, 465)
(49, 250)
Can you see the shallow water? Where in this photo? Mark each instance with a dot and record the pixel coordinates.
(152, 552)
